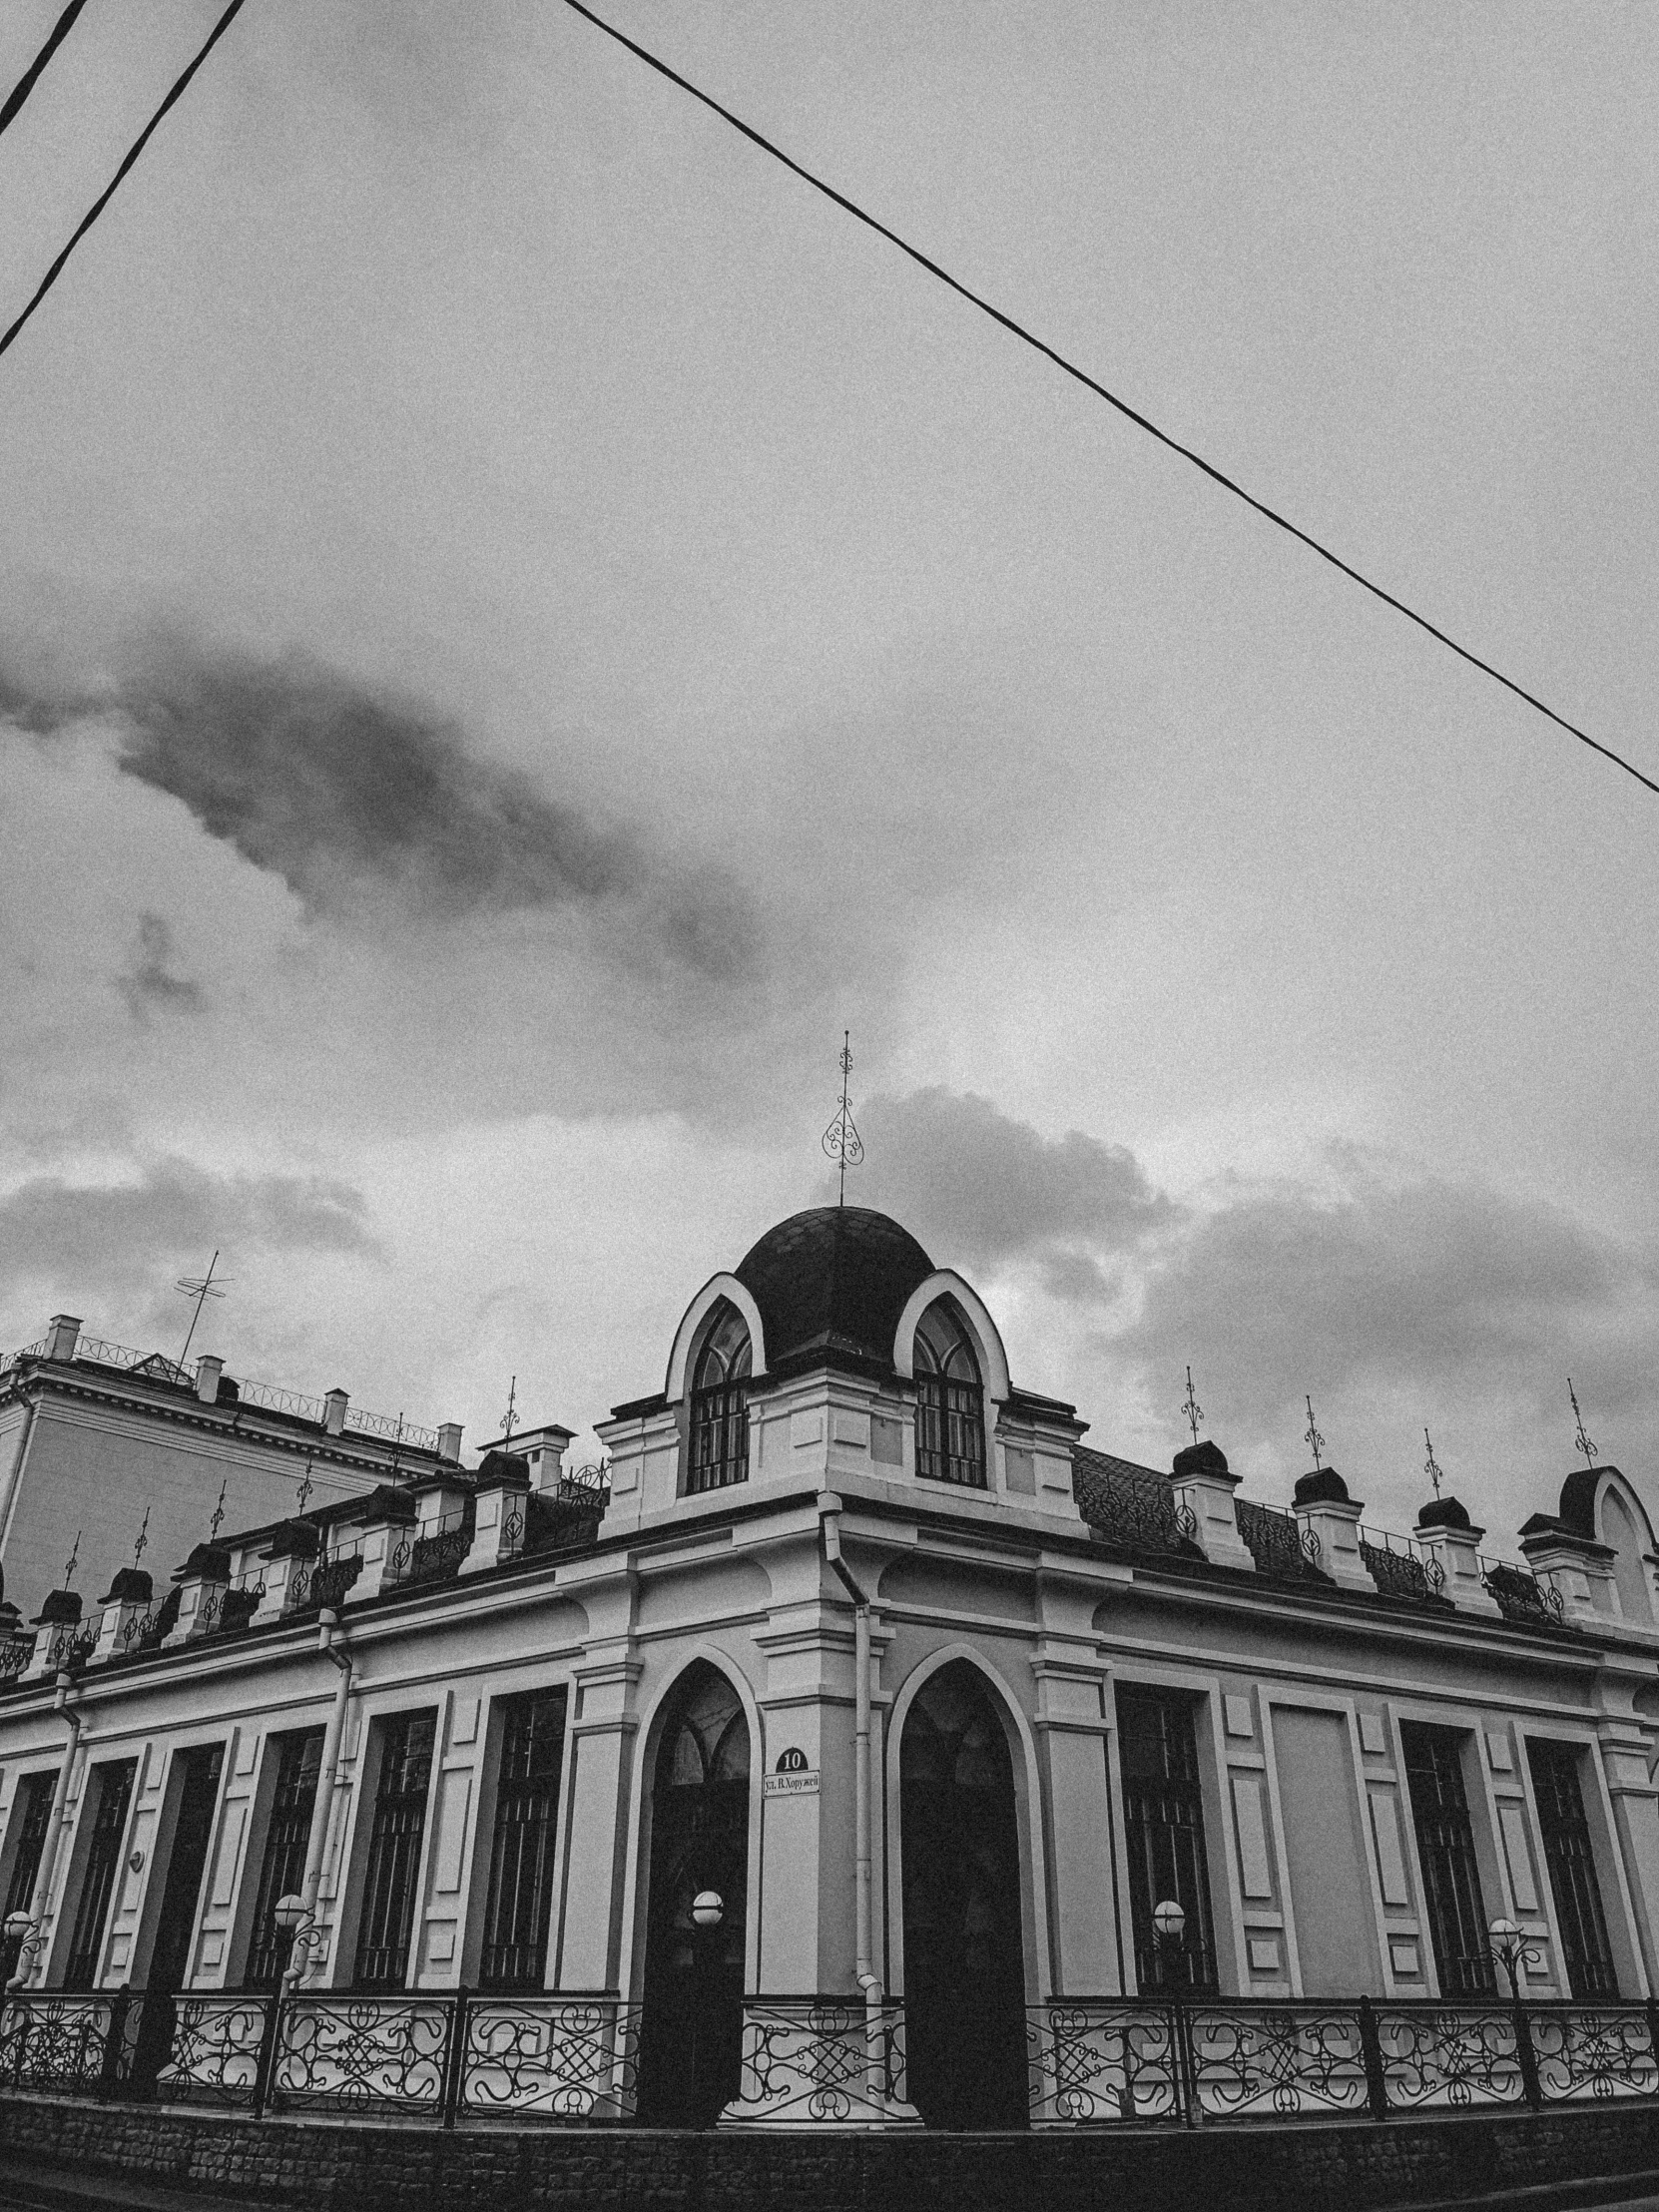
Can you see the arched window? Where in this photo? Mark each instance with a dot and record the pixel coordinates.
(719, 1452)
(951, 1401)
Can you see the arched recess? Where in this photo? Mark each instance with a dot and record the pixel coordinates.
(987, 1339)
(697, 1840)
(1604, 1504)
(1624, 1527)
(962, 1890)
(687, 1337)
(1029, 1823)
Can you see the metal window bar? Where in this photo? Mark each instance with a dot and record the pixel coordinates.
(1445, 1848)
(109, 1825)
(300, 1760)
(951, 1432)
(519, 1909)
(400, 1828)
(718, 1454)
(1163, 1804)
(1570, 1859)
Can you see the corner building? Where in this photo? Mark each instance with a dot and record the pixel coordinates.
(828, 1768)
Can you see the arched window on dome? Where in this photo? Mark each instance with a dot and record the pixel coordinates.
(950, 1401)
(719, 1441)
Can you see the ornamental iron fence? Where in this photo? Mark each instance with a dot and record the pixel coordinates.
(452, 2057)
(1122, 1505)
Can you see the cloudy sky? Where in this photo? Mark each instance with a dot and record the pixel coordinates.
(519, 623)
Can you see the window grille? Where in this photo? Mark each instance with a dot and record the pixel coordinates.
(394, 1852)
(286, 1837)
(719, 1441)
(1572, 1869)
(32, 1812)
(1445, 1847)
(521, 1858)
(1163, 1811)
(103, 1863)
(951, 1401)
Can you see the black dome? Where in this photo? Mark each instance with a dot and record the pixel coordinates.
(831, 1285)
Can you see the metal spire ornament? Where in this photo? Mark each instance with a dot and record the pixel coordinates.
(72, 1562)
(1313, 1438)
(511, 1414)
(306, 1485)
(1431, 1467)
(201, 1288)
(1581, 1439)
(1192, 1408)
(143, 1537)
(218, 1512)
(840, 1140)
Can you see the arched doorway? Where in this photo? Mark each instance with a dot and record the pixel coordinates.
(691, 2035)
(965, 1966)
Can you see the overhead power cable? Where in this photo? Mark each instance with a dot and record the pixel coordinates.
(1090, 383)
(108, 194)
(26, 82)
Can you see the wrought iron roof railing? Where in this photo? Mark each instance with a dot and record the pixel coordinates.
(1400, 1567)
(1131, 1505)
(1278, 1543)
(1520, 1595)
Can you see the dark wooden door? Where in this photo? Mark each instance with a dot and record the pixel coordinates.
(691, 2037)
(964, 1967)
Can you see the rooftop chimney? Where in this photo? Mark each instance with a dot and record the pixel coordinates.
(61, 1333)
(209, 1368)
(334, 1411)
(449, 1441)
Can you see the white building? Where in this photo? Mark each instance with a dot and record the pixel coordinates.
(867, 1714)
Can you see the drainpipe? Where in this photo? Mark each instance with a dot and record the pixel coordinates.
(40, 1896)
(332, 1638)
(829, 1508)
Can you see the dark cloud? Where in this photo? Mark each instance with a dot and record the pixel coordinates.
(982, 1189)
(347, 793)
(121, 1245)
(1394, 1298)
(1396, 1284)
(152, 985)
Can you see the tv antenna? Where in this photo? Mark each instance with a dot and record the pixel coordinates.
(201, 1288)
(842, 1140)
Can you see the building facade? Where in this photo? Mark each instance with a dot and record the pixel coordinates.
(837, 1761)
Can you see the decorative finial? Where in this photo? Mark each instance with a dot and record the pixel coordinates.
(218, 1512)
(1432, 1465)
(397, 1449)
(303, 1495)
(511, 1414)
(1581, 1439)
(201, 1288)
(840, 1140)
(1192, 1408)
(72, 1562)
(142, 1543)
(1313, 1438)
